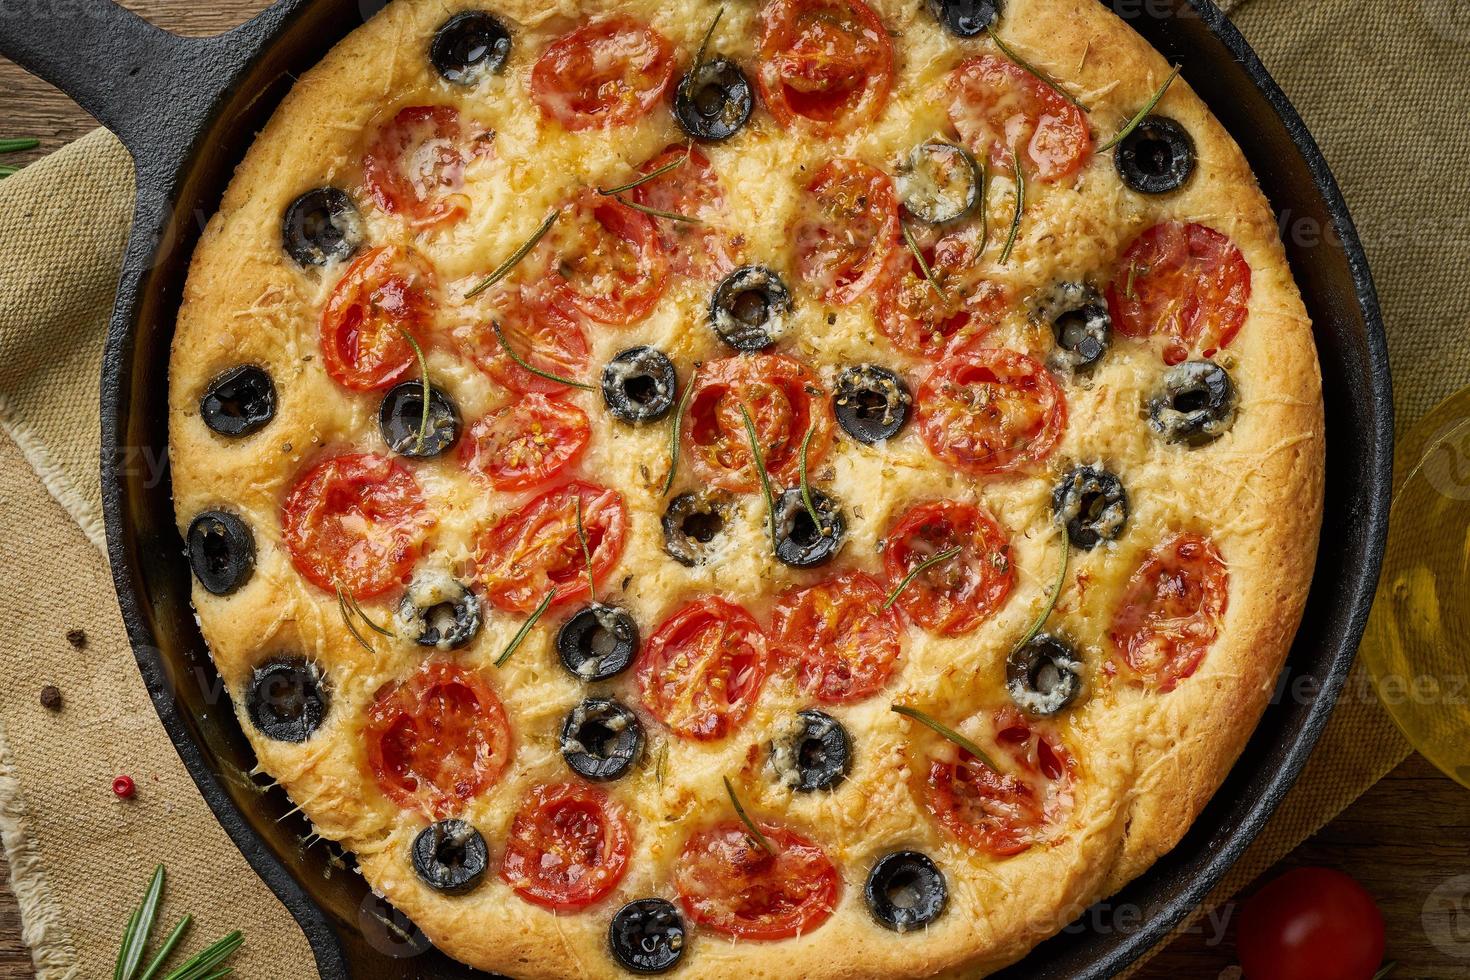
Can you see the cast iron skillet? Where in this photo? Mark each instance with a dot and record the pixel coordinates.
(189, 108)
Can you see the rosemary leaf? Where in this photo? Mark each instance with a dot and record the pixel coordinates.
(169, 945)
(6, 170)
(18, 145)
(672, 216)
(1056, 591)
(516, 256)
(948, 733)
(135, 942)
(358, 610)
(678, 431)
(1005, 253)
(1386, 969)
(908, 239)
(127, 942)
(201, 966)
(505, 344)
(1050, 82)
(525, 629)
(755, 832)
(418, 352)
(651, 175)
(922, 566)
(703, 50)
(586, 553)
(760, 468)
(347, 620)
(806, 487)
(1142, 113)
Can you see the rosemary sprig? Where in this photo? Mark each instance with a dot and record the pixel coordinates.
(1005, 253)
(505, 345)
(703, 50)
(948, 733)
(140, 928)
(418, 352)
(19, 145)
(586, 553)
(525, 629)
(1056, 591)
(516, 256)
(755, 832)
(202, 965)
(908, 239)
(1050, 82)
(1128, 289)
(367, 620)
(166, 950)
(1142, 113)
(922, 566)
(678, 429)
(347, 620)
(651, 175)
(671, 215)
(760, 467)
(806, 487)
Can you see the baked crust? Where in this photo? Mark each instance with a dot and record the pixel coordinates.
(1148, 761)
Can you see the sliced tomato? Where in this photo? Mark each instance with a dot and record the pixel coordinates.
(355, 522)
(990, 410)
(847, 231)
(920, 321)
(415, 165)
(731, 885)
(1187, 283)
(956, 595)
(568, 847)
(699, 251)
(526, 443)
(609, 73)
(1172, 609)
(702, 669)
(540, 333)
(1003, 813)
(437, 739)
(784, 399)
(999, 107)
(844, 643)
(385, 294)
(610, 265)
(826, 66)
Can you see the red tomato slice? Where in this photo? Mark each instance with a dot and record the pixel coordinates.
(383, 294)
(702, 669)
(437, 739)
(568, 847)
(730, 885)
(356, 522)
(541, 335)
(997, 107)
(1172, 609)
(784, 398)
(1007, 812)
(848, 231)
(610, 265)
(699, 251)
(536, 549)
(921, 322)
(990, 411)
(843, 642)
(1188, 283)
(958, 594)
(609, 73)
(526, 443)
(415, 165)
(826, 66)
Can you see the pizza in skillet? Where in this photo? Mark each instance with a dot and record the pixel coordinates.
(802, 488)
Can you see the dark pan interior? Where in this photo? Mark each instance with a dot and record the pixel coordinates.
(345, 924)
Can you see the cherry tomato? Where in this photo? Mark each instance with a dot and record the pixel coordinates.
(921, 322)
(702, 669)
(954, 596)
(848, 230)
(415, 165)
(355, 522)
(699, 251)
(1171, 610)
(730, 885)
(605, 74)
(999, 107)
(536, 549)
(826, 66)
(526, 443)
(1310, 924)
(437, 739)
(1188, 283)
(784, 398)
(989, 411)
(610, 265)
(541, 335)
(385, 294)
(568, 847)
(843, 642)
(1002, 813)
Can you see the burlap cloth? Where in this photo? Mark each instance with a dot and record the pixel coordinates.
(1383, 86)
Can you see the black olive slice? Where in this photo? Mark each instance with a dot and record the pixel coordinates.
(1157, 157)
(1043, 675)
(714, 101)
(401, 418)
(239, 402)
(601, 739)
(597, 643)
(905, 891)
(871, 403)
(693, 524)
(321, 226)
(1092, 503)
(1195, 404)
(221, 551)
(437, 611)
(1080, 323)
(816, 753)
(800, 543)
(938, 183)
(647, 936)
(749, 309)
(469, 45)
(450, 857)
(287, 699)
(640, 385)
(966, 18)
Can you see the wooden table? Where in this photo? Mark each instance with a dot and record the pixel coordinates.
(1401, 840)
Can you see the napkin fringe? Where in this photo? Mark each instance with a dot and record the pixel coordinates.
(53, 477)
